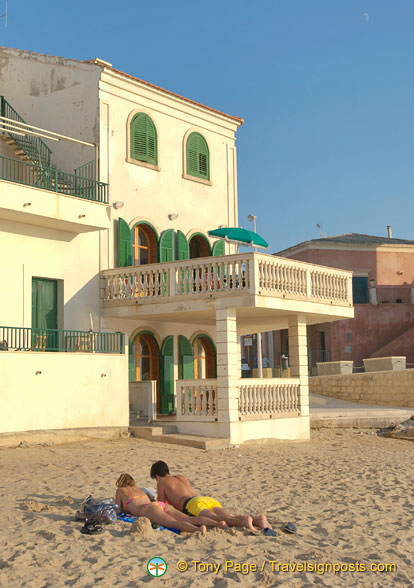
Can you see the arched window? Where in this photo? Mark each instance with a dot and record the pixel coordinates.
(197, 157)
(143, 139)
(204, 357)
(199, 247)
(144, 245)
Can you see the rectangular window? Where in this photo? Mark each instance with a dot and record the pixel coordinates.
(360, 290)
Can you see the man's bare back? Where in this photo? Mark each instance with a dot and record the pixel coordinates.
(175, 490)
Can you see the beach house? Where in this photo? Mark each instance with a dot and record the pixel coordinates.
(383, 295)
(105, 243)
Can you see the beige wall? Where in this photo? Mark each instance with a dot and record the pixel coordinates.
(393, 388)
(70, 392)
(29, 251)
(151, 194)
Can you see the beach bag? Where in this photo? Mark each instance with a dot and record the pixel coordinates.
(100, 512)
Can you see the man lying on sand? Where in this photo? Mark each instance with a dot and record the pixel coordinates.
(178, 492)
(132, 499)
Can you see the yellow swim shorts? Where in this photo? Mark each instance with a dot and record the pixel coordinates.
(195, 505)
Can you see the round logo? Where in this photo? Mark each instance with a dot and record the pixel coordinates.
(157, 566)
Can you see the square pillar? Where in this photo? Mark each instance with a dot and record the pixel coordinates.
(228, 365)
(298, 358)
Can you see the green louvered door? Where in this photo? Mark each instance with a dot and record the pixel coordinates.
(186, 359)
(44, 315)
(166, 402)
(166, 251)
(183, 252)
(167, 246)
(218, 248)
(124, 244)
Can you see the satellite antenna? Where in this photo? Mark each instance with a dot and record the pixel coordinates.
(319, 227)
(4, 15)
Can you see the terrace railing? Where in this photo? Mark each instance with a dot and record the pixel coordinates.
(252, 273)
(53, 180)
(197, 399)
(27, 339)
(395, 294)
(260, 399)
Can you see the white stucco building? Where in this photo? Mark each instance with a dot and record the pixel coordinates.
(122, 243)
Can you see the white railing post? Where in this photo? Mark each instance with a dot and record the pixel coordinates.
(308, 284)
(253, 273)
(171, 286)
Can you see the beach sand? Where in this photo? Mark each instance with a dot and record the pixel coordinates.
(350, 494)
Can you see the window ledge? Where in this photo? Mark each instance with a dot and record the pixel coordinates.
(143, 164)
(199, 180)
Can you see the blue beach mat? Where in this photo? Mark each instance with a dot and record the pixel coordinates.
(123, 516)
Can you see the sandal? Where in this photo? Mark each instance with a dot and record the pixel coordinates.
(91, 528)
(269, 532)
(289, 528)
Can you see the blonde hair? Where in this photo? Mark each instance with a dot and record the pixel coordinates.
(125, 480)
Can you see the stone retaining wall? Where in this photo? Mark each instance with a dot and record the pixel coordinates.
(391, 388)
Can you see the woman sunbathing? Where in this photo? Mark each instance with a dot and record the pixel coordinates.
(133, 500)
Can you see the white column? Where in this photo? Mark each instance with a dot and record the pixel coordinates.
(176, 354)
(259, 356)
(372, 292)
(298, 358)
(228, 365)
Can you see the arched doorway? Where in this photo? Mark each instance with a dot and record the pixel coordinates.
(199, 246)
(204, 358)
(144, 359)
(144, 244)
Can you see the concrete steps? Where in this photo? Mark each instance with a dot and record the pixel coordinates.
(168, 434)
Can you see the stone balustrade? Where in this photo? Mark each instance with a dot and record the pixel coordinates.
(250, 273)
(197, 400)
(268, 398)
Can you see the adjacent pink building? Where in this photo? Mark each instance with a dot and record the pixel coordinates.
(383, 291)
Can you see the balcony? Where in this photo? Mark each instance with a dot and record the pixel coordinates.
(265, 289)
(27, 339)
(33, 191)
(53, 180)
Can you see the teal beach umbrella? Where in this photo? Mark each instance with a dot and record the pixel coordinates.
(240, 236)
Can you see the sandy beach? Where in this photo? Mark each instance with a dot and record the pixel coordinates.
(350, 494)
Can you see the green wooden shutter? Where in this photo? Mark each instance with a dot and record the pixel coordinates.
(131, 362)
(144, 139)
(124, 244)
(183, 248)
(186, 359)
(167, 376)
(218, 248)
(167, 246)
(198, 158)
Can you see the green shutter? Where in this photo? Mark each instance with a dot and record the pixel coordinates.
(167, 376)
(124, 244)
(198, 157)
(186, 359)
(218, 248)
(167, 246)
(131, 362)
(144, 139)
(183, 248)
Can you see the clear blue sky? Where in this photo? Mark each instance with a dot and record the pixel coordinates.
(326, 88)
